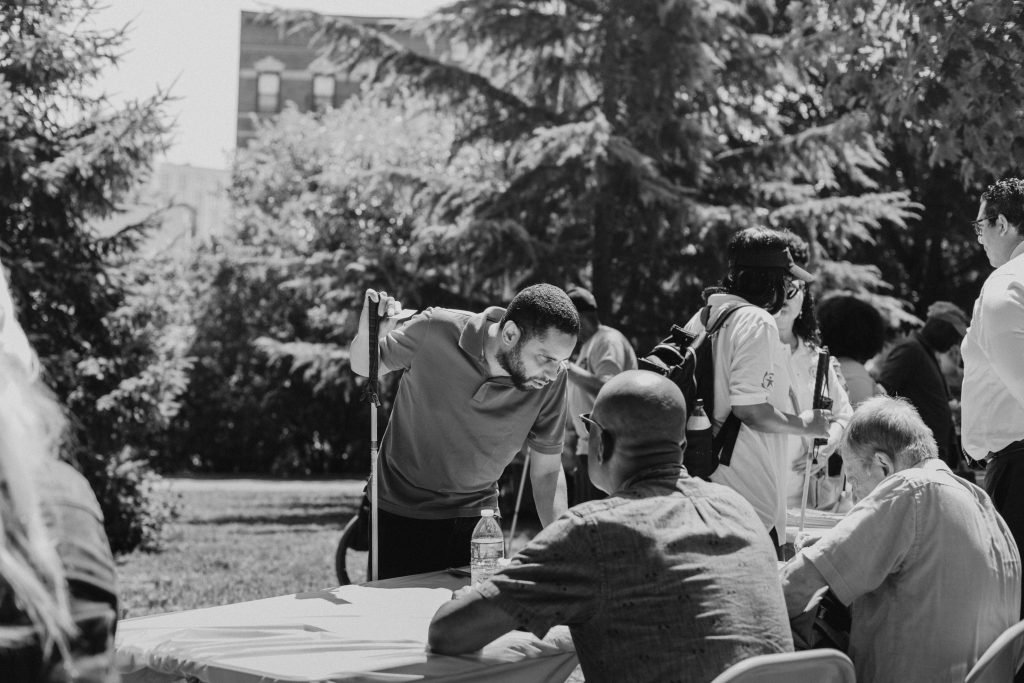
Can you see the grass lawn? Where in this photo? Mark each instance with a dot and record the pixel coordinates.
(241, 540)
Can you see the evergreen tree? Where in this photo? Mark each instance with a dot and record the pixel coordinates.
(638, 137)
(67, 157)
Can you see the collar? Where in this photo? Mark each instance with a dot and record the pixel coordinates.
(668, 469)
(473, 339)
(716, 300)
(1017, 251)
(932, 465)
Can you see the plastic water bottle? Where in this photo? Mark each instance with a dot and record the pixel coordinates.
(698, 441)
(486, 547)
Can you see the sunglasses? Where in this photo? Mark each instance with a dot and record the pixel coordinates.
(794, 288)
(590, 423)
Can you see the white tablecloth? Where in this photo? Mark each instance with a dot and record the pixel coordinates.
(351, 633)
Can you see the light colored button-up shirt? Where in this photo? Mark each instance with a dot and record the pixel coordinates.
(993, 351)
(930, 571)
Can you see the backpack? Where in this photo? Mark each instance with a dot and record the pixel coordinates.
(688, 361)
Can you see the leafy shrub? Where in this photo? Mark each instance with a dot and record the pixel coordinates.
(135, 510)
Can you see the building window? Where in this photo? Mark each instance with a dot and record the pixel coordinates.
(268, 92)
(323, 91)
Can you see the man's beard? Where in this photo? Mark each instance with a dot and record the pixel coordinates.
(512, 363)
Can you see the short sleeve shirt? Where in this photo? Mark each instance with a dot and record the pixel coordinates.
(605, 354)
(670, 578)
(454, 428)
(751, 367)
(930, 571)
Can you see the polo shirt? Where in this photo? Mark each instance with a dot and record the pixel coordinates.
(992, 397)
(931, 574)
(751, 367)
(454, 428)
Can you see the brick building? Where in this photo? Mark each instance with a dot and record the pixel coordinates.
(274, 69)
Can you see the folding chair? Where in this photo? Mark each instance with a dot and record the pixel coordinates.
(1002, 659)
(808, 666)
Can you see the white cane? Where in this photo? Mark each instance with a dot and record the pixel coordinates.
(811, 453)
(821, 400)
(371, 394)
(519, 500)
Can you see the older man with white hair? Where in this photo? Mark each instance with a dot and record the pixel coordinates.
(928, 566)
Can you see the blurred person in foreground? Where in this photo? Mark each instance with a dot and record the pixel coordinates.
(992, 401)
(476, 388)
(854, 332)
(604, 352)
(798, 330)
(912, 370)
(58, 595)
(670, 577)
(928, 567)
(752, 372)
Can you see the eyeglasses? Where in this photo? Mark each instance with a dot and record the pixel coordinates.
(794, 288)
(976, 224)
(591, 423)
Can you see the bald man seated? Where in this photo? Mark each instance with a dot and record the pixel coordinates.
(669, 577)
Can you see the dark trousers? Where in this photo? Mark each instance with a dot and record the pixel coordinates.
(1004, 483)
(415, 546)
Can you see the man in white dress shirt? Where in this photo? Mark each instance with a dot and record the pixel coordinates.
(993, 353)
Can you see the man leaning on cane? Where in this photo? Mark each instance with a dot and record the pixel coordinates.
(477, 388)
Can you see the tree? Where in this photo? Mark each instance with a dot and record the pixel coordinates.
(327, 204)
(67, 157)
(942, 84)
(638, 137)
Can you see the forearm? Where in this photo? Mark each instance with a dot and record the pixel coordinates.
(466, 624)
(584, 379)
(359, 348)
(548, 482)
(800, 581)
(765, 417)
(359, 355)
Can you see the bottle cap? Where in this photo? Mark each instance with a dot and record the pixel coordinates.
(487, 512)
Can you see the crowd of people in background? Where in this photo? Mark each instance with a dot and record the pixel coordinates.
(658, 574)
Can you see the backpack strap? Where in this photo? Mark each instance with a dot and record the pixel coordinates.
(724, 313)
(723, 443)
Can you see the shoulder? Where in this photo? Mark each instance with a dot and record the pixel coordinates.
(1003, 292)
(445, 315)
(923, 479)
(610, 338)
(62, 485)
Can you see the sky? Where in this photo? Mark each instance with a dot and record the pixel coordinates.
(190, 47)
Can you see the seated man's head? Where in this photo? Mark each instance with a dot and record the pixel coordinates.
(885, 435)
(638, 420)
(537, 333)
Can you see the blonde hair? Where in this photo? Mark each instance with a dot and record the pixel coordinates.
(31, 423)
